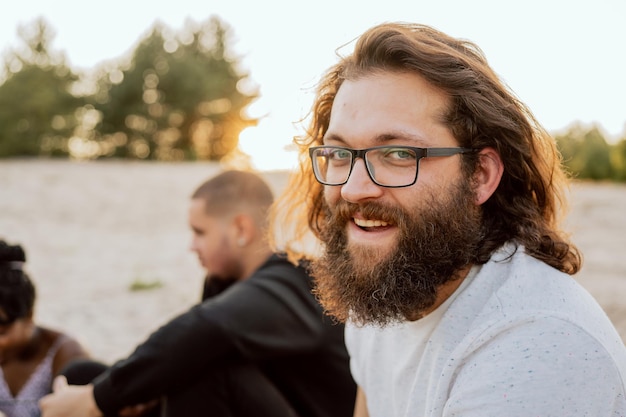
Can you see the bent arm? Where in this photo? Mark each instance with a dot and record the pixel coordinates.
(173, 355)
(360, 405)
(69, 401)
(68, 351)
(255, 320)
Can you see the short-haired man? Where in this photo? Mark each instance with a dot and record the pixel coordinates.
(258, 345)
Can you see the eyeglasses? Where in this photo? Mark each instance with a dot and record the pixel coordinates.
(387, 166)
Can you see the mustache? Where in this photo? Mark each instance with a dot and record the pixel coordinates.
(345, 211)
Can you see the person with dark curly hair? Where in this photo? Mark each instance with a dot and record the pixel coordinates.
(30, 355)
(437, 198)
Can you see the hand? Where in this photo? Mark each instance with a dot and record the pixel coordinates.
(69, 401)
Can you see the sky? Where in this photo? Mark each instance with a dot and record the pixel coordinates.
(566, 59)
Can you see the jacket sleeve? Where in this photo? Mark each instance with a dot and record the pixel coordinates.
(272, 313)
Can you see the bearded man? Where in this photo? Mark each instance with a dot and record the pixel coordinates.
(437, 198)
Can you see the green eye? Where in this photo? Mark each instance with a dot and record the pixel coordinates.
(340, 154)
(399, 154)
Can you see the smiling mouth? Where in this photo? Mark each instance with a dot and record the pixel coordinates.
(369, 224)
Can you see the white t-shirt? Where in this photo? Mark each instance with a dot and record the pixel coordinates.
(517, 338)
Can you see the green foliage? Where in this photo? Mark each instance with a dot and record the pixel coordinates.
(141, 285)
(618, 160)
(587, 155)
(36, 106)
(178, 98)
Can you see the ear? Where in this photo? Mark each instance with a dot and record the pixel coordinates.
(244, 229)
(487, 175)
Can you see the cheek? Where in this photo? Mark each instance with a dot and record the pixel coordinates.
(208, 247)
(5, 341)
(10, 338)
(216, 253)
(434, 173)
(332, 195)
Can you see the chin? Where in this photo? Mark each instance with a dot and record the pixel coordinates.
(367, 255)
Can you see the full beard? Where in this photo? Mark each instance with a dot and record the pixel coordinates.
(368, 285)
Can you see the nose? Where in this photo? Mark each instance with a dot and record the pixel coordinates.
(360, 186)
(192, 245)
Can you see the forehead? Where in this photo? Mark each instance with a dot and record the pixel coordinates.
(197, 210)
(389, 107)
(199, 218)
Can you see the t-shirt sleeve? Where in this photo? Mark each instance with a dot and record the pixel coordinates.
(538, 368)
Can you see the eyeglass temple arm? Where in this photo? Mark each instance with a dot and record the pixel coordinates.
(446, 151)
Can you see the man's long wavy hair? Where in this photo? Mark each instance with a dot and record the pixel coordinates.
(529, 202)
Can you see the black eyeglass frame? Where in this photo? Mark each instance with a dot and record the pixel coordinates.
(361, 153)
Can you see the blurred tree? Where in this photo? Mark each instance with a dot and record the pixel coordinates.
(586, 153)
(37, 108)
(181, 97)
(618, 160)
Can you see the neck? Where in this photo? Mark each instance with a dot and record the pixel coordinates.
(23, 351)
(254, 256)
(444, 292)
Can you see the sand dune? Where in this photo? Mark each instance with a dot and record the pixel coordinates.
(93, 229)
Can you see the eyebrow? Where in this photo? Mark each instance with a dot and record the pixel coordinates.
(197, 230)
(383, 138)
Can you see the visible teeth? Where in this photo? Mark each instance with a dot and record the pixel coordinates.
(370, 223)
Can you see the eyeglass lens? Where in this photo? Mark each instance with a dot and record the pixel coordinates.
(387, 166)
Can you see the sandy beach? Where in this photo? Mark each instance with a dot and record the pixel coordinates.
(92, 230)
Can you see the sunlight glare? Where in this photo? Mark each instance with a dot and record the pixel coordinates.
(266, 153)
